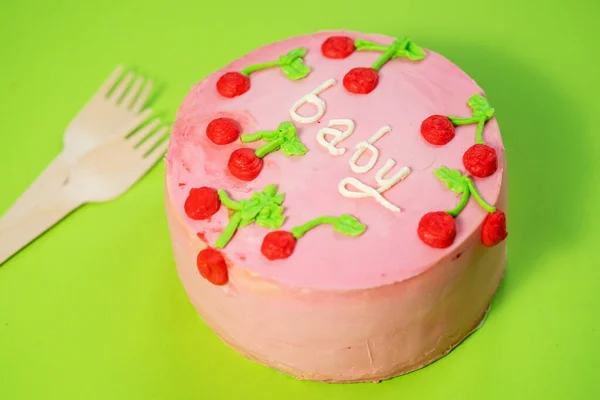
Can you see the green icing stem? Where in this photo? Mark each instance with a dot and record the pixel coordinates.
(479, 131)
(463, 202)
(465, 199)
(478, 197)
(365, 45)
(257, 67)
(251, 137)
(462, 184)
(227, 202)
(234, 223)
(463, 121)
(268, 148)
(472, 120)
(299, 231)
(385, 57)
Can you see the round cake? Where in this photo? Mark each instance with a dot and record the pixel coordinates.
(337, 204)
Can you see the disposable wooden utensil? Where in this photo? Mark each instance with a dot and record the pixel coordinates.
(101, 175)
(113, 112)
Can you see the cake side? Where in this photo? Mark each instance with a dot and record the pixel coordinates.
(345, 336)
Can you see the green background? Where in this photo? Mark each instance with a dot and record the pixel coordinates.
(94, 308)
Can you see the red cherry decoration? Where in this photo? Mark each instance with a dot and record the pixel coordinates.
(202, 203)
(437, 229)
(361, 80)
(437, 129)
(494, 229)
(278, 245)
(223, 131)
(233, 84)
(338, 47)
(212, 266)
(244, 164)
(480, 160)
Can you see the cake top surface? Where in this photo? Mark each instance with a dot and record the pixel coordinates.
(408, 92)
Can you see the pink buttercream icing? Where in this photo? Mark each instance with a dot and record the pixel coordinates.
(340, 308)
(408, 92)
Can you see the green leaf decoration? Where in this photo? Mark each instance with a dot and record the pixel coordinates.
(291, 145)
(478, 102)
(349, 225)
(480, 106)
(271, 217)
(414, 52)
(408, 49)
(454, 179)
(293, 148)
(264, 208)
(283, 138)
(270, 190)
(296, 69)
(292, 65)
(296, 53)
(400, 43)
(489, 113)
(287, 130)
(250, 209)
(278, 198)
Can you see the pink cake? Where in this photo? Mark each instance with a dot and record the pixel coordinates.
(336, 205)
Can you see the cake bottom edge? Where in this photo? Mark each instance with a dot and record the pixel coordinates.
(404, 370)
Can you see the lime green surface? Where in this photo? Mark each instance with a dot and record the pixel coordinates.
(94, 309)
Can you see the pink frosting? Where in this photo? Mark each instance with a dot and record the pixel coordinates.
(390, 250)
(342, 309)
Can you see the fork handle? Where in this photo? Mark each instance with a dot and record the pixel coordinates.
(51, 179)
(21, 229)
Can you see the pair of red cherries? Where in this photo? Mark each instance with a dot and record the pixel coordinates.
(204, 202)
(360, 80)
(243, 163)
(438, 229)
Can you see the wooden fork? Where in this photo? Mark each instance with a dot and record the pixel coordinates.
(103, 174)
(113, 112)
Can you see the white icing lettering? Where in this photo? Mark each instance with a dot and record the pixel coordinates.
(330, 136)
(363, 191)
(338, 135)
(364, 146)
(314, 99)
(386, 183)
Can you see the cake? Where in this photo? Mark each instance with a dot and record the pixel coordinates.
(336, 204)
